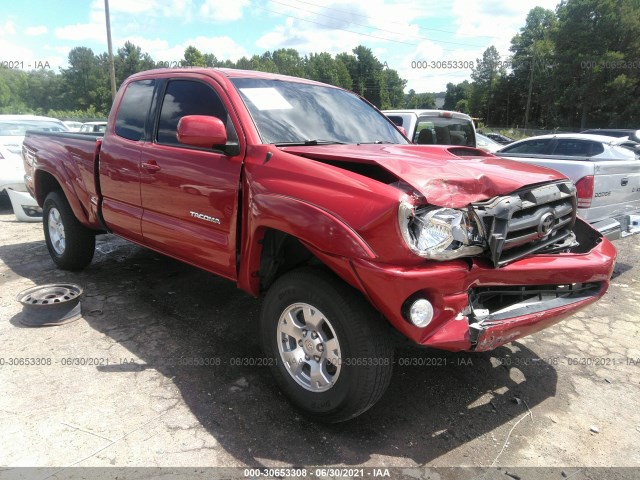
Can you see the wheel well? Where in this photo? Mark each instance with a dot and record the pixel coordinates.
(281, 253)
(45, 184)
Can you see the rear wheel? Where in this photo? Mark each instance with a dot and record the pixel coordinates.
(330, 349)
(70, 244)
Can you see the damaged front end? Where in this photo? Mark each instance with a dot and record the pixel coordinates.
(504, 304)
(532, 220)
(497, 315)
(537, 219)
(513, 265)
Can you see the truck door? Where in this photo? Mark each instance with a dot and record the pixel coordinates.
(189, 194)
(120, 161)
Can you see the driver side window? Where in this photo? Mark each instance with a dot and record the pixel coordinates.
(187, 97)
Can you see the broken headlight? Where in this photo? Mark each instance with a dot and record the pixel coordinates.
(440, 233)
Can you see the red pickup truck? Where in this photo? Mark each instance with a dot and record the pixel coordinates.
(306, 194)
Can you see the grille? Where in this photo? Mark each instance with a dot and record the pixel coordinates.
(528, 221)
(28, 155)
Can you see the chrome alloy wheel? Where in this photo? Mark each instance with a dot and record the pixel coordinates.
(309, 347)
(56, 231)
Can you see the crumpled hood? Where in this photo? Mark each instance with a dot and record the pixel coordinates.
(445, 179)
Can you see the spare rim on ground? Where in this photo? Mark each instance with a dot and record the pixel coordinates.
(50, 305)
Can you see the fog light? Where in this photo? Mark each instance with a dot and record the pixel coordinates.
(421, 313)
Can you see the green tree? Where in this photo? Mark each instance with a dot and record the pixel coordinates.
(455, 93)
(321, 67)
(485, 75)
(594, 36)
(193, 58)
(129, 60)
(81, 79)
(344, 79)
(14, 88)
(288, 61)
(368, 76)
(533, 51)
(419, 100)
(392, 89)
(45, 91)
(462, 106)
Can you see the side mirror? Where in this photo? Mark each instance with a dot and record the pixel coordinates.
(201, 131)
(635, 136)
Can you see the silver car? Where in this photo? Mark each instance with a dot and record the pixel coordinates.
(487, 144)
(605, 170)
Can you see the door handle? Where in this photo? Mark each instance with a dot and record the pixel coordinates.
(624, 181)
(151, 166)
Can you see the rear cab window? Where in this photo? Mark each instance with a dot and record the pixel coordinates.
(397, 120)
(439, 130)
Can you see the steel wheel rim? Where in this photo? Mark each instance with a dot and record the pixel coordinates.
(50, 294)
(56, 231)
(309, 347)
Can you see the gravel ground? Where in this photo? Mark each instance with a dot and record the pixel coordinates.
(119, 386)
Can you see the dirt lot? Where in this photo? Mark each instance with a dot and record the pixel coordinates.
(116, 388)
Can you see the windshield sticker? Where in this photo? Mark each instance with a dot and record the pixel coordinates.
(266, 98)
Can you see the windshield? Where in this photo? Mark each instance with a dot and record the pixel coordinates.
(298, 113)
(19, 127)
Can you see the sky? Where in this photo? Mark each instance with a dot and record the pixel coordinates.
(35, 33)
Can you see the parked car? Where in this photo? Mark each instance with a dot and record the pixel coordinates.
(615, 132)
(12, 131)
(93, 127)
(435, 127)
(11, 172)
(605, 170)
(315, 201)
(486, 144)
(73, 126)
(25, 208)
(498, 137)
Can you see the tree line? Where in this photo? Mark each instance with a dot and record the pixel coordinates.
(82, 91)
(577, 67)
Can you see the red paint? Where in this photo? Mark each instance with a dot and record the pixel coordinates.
(201, 131)
(203, 207)
(446, 284)
(440, 176)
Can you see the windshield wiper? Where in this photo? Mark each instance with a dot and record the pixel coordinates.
(306, 143)
(376, 142)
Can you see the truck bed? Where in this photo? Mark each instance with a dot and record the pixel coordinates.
(79, 154)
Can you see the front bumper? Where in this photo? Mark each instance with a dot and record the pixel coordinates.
(449, 286)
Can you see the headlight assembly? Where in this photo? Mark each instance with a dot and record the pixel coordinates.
(440, 233)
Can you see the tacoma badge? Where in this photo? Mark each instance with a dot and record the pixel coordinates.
(202, 216)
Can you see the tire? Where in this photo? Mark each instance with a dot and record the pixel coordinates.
(350, 371)
(70, 244)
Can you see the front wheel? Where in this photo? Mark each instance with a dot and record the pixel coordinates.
(70, 244)
(329, 348)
